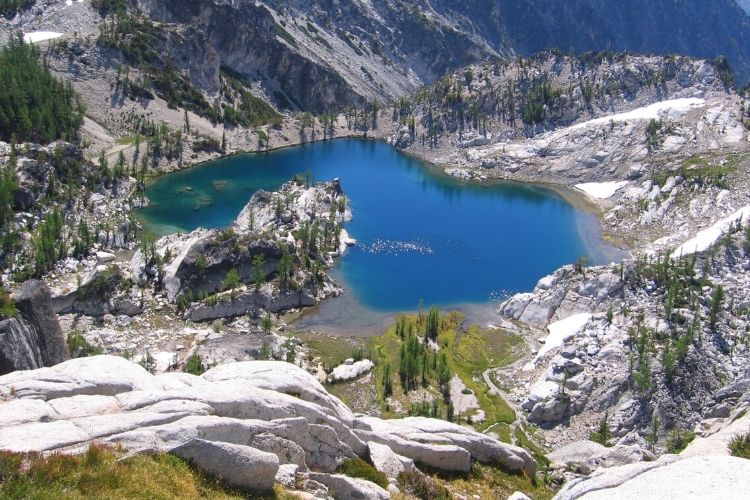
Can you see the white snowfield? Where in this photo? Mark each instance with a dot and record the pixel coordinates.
(40, 36)
(652, 111)
(601, 190)
(561, 330)
(704, 239)
(566, 140)
(352, 371)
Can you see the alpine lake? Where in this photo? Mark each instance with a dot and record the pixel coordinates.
(421, 235)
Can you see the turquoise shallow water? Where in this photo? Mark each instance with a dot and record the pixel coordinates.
(422, 234)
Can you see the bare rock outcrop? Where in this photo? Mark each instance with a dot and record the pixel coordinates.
(262, 415)
(32, 339)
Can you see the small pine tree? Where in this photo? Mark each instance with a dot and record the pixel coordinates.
(716, 300)
(433, 322)
(194, 365)
(232, 280)
(266, 323)
(259, 272)
(148, 362)
(387, 381)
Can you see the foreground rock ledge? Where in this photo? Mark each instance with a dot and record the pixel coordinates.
(669, 477)
(268, 412)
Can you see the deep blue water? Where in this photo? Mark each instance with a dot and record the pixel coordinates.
(422, 234)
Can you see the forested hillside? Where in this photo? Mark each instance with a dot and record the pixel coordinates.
(10, 7)
(34, 105)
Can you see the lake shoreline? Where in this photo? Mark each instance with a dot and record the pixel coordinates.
(232, 174)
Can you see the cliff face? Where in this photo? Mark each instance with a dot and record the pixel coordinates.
(321, 54)
(33, 339)
(702, 29)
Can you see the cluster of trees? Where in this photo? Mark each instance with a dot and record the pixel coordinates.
(243, 108)
(8, 186)
(34, 105)
(680, 287)
(417, 362)
(10, 7)
(142, 44)
(48, 244)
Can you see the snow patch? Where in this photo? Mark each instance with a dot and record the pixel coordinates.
(352, 371)
(652, 111)
(704, 239)
(40, 36)
(561, 330)
(601, 190)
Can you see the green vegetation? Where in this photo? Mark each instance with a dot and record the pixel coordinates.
(678, 439)
(540, 93)
(10, 7)
(602, 434)
(405, 363)
(140, 42)
(34, 105)
(79, 346)
(7, 305)
(700, 171)
(107, 7)
(103, 473)
(653, 139)
(484, 481)
(716, 300)
(259, 271)
(194, 365)
(356, 467)
(739, 446)
(244, 109)
(232, 280)
(47, 242)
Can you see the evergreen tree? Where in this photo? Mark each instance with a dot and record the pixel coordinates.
(34, 105)
(716, 299)
(433, 322)
(232, 280)
(387, 381)
(285, 266)
(194, 365)
(259, 272)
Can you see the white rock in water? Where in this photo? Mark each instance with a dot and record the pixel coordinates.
(350, 371)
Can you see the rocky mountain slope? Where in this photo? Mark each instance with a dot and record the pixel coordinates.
(569, 120)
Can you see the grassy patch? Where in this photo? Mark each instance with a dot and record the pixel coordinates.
(523, 440)
(473, 352)
(484, 481)
(739, 446)
(701, 171)
(100, 473)
(356, 467)
(332, 351)
(7, 305)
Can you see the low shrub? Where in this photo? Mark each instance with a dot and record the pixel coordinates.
(356, 467)
(739, 446)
